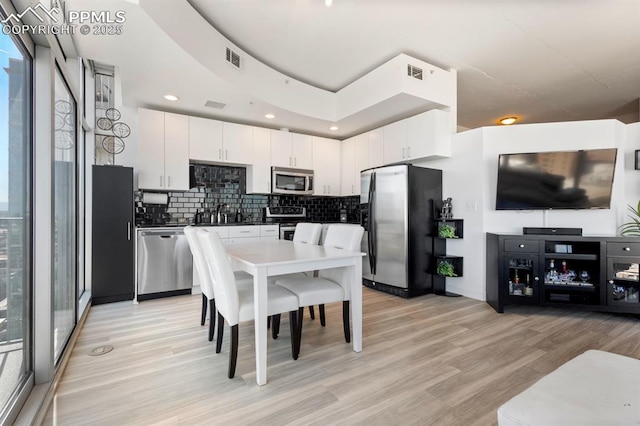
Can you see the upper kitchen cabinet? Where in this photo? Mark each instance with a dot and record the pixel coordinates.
(205, 140)
(395, 142)
(163, 146)
(213, 141)
(429, 135)
(237, 143)
(347, 164)
(326, 166)
(376, 148)
(259, 173)
(302, 151)
(355, 158)
(291, 150)
(426, 135)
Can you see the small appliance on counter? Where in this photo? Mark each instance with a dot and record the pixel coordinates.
(343, 215)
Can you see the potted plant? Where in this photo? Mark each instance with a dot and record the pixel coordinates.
(445, 269)
(446, 231)
(632, 228)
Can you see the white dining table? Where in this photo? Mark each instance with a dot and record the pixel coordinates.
(267, 258)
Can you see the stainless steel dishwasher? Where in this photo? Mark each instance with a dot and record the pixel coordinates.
(165, 265)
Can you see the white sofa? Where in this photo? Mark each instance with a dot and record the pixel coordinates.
(595, 388)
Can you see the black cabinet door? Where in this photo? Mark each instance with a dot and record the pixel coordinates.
(521, 278)
(112, 231)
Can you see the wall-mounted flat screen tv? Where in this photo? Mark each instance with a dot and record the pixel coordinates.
(556, 180)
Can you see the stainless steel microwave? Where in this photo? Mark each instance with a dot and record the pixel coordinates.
(291, 181)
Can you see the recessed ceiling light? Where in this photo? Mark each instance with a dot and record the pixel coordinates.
(269, 116)
(508, 120)
(328, 2)
(171, 97)
(333, 128)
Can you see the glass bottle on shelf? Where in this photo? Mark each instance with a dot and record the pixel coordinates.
(552, 275)
(564, 277)
(528, 289)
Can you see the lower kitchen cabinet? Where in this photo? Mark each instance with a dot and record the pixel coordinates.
(112, 252)
(242, 234)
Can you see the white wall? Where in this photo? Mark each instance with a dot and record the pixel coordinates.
(470, 178)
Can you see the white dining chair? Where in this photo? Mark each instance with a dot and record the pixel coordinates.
(235, 304)
(331, 285)
(200, 268)
(305, 233)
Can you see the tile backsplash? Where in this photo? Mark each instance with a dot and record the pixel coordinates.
(221, 185)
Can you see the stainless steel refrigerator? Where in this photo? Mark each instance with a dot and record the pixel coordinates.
(397, 215)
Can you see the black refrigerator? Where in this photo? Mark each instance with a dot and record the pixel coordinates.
(112, 253)
(397, 215)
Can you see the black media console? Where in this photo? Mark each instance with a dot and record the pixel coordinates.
(592, 273)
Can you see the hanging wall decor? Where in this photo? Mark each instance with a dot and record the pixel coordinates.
(114, 131)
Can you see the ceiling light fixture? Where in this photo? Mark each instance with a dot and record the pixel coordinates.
(171, 97)
(269, 116)
(508, 120)
(328, 2)
(333, 128)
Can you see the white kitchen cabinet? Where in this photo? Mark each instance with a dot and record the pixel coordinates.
(355, 158)
(395, 142)
(302, 151)
(360, 153)
(163, 147)
(291, 150)
(237, 141)
(361, 158)
(429, 135)
(251, 233)
(426, 135)
(376, 148)
(269, 232)
(213, 141)
(326, 166)
(176, 152)
(280, 148)
(347, 163)
(151, 149)
(259, 172)
(205, 139)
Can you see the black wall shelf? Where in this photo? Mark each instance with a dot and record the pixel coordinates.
(455, 227)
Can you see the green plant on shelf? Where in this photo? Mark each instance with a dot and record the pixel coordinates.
(445, 269)
(446, 231)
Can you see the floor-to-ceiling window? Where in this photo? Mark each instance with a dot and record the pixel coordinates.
(65, 245)
(15, 218)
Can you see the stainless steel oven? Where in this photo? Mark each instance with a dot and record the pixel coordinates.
(286, 231)
(286, 217)
(291, 181)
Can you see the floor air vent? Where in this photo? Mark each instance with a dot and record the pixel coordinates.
(233, 58)
(415, 72)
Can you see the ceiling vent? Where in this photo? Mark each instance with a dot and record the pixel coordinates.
(233, 58)
(415, 72)
(216, 105)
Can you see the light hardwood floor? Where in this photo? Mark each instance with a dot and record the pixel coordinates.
(426, 360)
